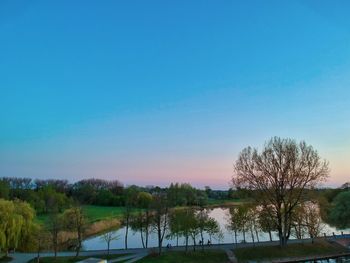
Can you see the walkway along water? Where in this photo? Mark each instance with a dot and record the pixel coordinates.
(138, 253)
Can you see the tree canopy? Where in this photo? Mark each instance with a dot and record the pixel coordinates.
(279, 175)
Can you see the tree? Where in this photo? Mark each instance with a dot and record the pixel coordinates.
(279, 175)
(253, 222)
(54, 226)
(42, 238)
(243, 217)
(213, 229)
(202, 219)
(109, 236)
(266, 221)
(4, 189)
(75, 220)
(313, 221)
(182, 221)
(175, 223)
(130, 202)
(298, 226)
(142, 221)
(234, 221)
(340, 212)
(160, 217)
(16, 223)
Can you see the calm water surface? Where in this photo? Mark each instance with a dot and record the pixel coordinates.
(220, 214)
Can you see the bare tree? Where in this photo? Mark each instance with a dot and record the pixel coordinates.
(278, 176)
(109, 236)
(313, 221)
(54, 226)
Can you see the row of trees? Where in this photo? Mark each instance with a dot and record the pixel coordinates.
(47, 196)
(18, 228)
(156, 215)
(252, 219)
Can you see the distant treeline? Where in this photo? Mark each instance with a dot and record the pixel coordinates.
(52, 195)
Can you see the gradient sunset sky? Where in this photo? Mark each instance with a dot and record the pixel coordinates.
(153, 92)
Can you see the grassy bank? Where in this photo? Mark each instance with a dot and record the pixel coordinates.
(292, 251)
(94, 213)
(74, 259)
(225, 202)
(100, 219)
(208, 256)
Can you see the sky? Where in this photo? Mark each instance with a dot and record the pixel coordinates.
(153, 92)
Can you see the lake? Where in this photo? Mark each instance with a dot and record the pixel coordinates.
(220, 214)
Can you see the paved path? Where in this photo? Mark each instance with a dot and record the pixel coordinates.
(139, 253)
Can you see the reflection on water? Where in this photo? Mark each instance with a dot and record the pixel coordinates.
(220, 214)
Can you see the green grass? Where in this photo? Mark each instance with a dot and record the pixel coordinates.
(291, 251)
(218, 202)
(94, 213)
(74, 259)
(207, 256)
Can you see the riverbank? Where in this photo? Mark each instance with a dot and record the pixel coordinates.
(71, 259)
(100, 219)
(206, 256)
(293, 252)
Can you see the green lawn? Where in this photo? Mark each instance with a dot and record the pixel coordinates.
(218, 202)
(291, 251)
(207, 256)
(74, 259)
(94, 213)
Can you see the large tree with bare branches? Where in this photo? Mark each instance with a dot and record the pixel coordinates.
(279, 175)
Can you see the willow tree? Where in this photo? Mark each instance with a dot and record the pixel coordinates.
(16, 221)
(279, 176)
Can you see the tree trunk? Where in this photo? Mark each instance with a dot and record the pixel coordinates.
(257, 235)
(270, 236)
(126, 233)
(252, 234)
(141, 234)
(203, 240)
(159, 236)
(147, 237)
(236, 237)
(79, 244)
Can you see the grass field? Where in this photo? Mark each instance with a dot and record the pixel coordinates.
(208, 256)
(94, 213)
(225, 202)
(97, 213)
(74, 259)
(291, 251)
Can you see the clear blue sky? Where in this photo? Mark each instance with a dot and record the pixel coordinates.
(151, 92)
